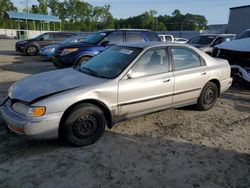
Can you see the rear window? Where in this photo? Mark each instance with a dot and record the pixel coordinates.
(202, 39)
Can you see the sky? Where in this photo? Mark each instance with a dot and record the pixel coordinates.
(215, 11)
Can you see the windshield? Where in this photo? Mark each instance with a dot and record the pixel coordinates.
(39, 36)
(95, 38)
(206, 39)
(110, 63)
(70, 40)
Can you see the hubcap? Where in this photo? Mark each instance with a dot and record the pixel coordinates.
(85, 126)
(32, 50)
(208, 97)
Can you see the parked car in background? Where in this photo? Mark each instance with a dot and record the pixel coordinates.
(166, 38)
(180, 40)
(237, 52)
(32, 46)
(48, 51)
(71, 54)
(122, 82)
(206, 42)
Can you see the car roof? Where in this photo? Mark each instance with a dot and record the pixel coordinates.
(112, 30)
(150, 44)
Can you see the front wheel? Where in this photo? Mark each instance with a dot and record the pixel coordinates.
(84, 125)
(208, 97)
(31, 50)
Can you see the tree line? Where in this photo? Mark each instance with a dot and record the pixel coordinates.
(78, 15)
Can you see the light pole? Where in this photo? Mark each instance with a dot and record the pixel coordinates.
(26, 4)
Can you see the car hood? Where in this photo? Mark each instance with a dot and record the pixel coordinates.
(24, 41)
(46, 84)
(50, 46)
(76, 45)
(240, 45)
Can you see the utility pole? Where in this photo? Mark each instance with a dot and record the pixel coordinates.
(26, 4)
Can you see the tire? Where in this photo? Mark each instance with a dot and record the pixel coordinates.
(208, 97)
(58, 65)
(84, 125)
(84, 58)
(31, 50)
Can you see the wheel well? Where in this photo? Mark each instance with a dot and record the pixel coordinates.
(99, 104)
(217, 83)
(86, 55)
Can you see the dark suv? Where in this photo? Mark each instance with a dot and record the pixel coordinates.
(72, 54)
(32, 46)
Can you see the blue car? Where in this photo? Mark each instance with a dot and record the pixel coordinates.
(72, 54)
(49, 51)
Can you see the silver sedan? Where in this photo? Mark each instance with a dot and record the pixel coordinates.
(122, 82)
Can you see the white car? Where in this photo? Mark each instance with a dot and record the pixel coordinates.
(180, 40)
(166, 38)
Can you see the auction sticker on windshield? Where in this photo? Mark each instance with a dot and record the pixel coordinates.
(126, 51)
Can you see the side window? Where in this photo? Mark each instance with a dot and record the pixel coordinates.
(62, 36)
(48, 36)
(115, 38)
(154, 61)
(184, 58)
(134, 37)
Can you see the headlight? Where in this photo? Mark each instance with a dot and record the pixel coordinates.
(10, 91)
(49, 50)
(68, 51)
(32, 111)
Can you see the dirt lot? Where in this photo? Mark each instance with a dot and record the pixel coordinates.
(172, 148)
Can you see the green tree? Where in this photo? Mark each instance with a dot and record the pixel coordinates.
(5, 5)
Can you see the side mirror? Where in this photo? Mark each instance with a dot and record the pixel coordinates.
(41, 39)
(129, 74)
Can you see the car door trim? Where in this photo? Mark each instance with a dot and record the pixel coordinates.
(158, 97)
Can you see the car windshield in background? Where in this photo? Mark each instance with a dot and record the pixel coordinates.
(110, 63)
(70, 40)
(202, 40)
(95, 38)
(39, 36)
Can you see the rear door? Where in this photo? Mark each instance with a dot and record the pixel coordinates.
(148, 86)
(190, 73)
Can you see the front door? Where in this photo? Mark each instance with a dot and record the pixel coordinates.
(148, 86)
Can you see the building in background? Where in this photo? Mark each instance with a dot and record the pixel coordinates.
(239, 19)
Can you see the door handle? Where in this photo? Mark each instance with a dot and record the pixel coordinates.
(203, 73)
(166, 80)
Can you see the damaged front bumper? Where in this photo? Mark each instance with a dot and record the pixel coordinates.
(44, 127)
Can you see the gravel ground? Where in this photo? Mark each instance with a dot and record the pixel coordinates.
(173, 148)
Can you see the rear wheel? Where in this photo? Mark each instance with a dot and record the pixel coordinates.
(31, 50)
(208, 97)
(84, 125)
